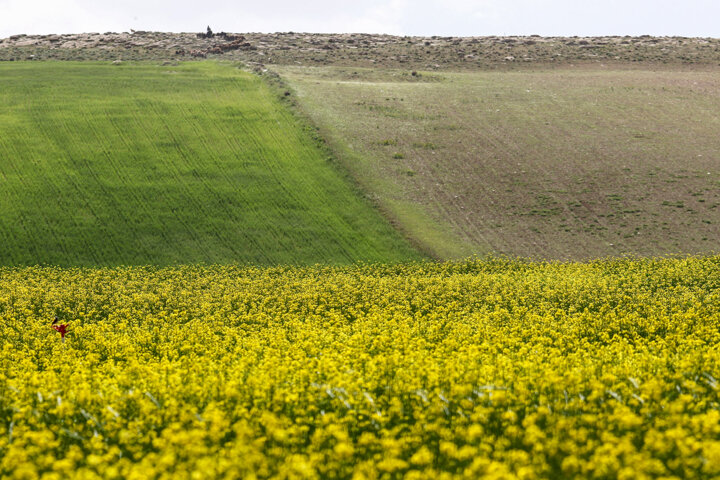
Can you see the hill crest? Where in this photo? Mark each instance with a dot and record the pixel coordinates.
(369, 50)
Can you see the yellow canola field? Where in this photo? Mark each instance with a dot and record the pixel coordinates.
(489, 368)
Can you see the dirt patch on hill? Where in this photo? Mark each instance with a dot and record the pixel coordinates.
(368, 50)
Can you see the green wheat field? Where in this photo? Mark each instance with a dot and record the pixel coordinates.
(107, 165)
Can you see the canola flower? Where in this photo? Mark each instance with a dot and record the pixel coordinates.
(482, 369)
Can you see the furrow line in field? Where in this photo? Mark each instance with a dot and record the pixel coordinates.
(122, 134)
(73, 152)
(13, 248)
(220, 234)
(253, 135)
(189, 196)
(286, 182)
(273, 168)
(210, 157)
(29, 242)
(199, 161)
(115, 205)
(51, 177)
(30, 192)
(475, 230)
(81, 196)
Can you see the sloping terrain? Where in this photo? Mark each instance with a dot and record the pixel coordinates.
(551, 147)
(106, 164)
(569, 163)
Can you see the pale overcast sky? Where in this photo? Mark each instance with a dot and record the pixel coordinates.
(692, 18)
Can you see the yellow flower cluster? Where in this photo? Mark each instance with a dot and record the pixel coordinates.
(492, 368)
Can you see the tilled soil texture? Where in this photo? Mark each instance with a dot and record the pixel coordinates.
(567, 163)
(363, 50)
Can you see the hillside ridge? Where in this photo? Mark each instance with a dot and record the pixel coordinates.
(370, 50)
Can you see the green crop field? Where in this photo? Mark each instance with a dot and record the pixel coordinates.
(565, 163)
(105, 164)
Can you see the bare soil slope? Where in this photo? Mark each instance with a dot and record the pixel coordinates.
(569, 163)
